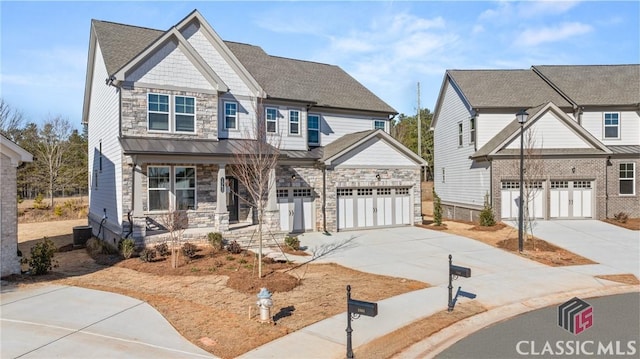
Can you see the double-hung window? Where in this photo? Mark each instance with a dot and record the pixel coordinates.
(185, 109)
(159, 186)
(271, 117)
(627, 178)
(231, 115)
(158, 112)
(294, 122)
(611, 125)
(379, 125)
(313, 129)
(472, 130)
(460, 134)
(185, 187)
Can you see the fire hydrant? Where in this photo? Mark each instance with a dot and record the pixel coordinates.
(265, 303)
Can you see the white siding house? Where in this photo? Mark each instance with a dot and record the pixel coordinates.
(582, 136)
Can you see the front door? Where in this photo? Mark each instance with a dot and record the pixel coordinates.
(232, 198)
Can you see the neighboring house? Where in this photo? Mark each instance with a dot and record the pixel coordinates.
(11, 156)
(168, 110)
(584, 123)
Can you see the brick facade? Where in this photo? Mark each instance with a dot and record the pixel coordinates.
(9, 261)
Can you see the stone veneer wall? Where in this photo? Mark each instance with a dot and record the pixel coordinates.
(9, 261)
(555, 169)
(134, 114)
(366, 177)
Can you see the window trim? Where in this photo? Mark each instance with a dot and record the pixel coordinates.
(168, 113)
(460, 134)
(384, 125)
(292, 111)
(194, 189)
(149, 189)
(224, 108)
(605, 126)
(472, 130)
(632, 178)
(275, 120)
(176, 113)
(309, 129)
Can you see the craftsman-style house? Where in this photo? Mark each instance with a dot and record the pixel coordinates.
(581, 141)
(167, 112)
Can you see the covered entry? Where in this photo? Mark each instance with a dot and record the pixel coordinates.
(373, 207)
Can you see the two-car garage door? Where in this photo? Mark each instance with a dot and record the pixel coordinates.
(566, 199)
(373, 207)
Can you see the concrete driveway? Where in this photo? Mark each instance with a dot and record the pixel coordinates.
(52, 321)
(616, 249)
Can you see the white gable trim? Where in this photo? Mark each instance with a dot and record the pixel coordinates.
(384, 137)
(16, 153)
(217, 42)
(562, 117)
(88, 82)
(185, 47)
(448, 81)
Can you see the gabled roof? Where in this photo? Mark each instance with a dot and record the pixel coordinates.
(348, 142)
(595, 85)
(515, 89)
(508, 133)
(281, 78)
(321, 84)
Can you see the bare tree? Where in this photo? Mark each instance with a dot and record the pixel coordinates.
(256, 162)
(52, 149)
(11, 121)
(533, 177)
(175, 222)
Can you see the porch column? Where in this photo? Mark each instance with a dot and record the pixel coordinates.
(221, 199)
(272, 202)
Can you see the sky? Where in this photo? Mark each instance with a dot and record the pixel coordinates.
(389, 46)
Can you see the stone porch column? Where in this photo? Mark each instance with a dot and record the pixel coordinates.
(272, 202)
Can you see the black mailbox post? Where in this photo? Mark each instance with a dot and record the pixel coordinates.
(457, 271)
(355, 308)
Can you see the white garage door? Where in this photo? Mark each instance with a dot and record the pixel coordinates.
(510, 199)
(373, 207)
(296, 209)
(571, 199)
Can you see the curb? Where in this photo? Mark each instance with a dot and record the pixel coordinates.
(438, 342)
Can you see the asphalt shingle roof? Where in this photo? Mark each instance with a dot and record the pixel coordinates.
(283, 78)
(603, 85)
(505, 89)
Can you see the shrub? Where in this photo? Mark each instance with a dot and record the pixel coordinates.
(215, 240)
(621, 217)
(147, 255)
(41, 260)
(292, 242)
(487, 219)
(127, 246)
(58, 210)
(234, 247)
(38, 202)
(437, 209)
(189, 250)
(162, 249)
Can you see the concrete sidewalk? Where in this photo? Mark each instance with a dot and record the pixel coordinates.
(498, 278)
(69, 322)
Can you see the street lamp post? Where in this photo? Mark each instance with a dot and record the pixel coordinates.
(522, 116)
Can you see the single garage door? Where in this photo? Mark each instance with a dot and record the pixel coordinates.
(571, 199)
(510, 199)
(373, 207)
(296, 209)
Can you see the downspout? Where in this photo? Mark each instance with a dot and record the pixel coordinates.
(606, 186)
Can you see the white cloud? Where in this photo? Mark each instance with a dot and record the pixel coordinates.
(545, 8)
(537, 36)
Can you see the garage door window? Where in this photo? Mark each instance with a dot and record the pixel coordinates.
(627, 179)
(559, 184)
(510, 185)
